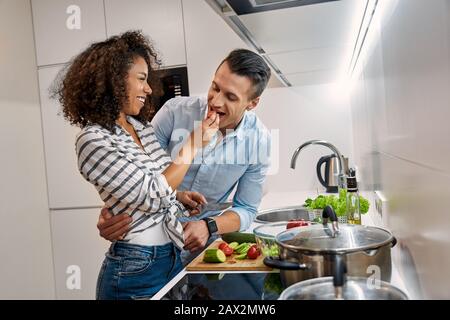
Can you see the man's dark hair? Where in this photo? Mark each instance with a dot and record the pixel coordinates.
(247, 63)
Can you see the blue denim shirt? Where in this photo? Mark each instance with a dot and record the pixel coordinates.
(238, 161)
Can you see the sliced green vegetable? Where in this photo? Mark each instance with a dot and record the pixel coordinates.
(241, 256)
(243, 248)
(233, 245)
(239, 237)
(214, 255)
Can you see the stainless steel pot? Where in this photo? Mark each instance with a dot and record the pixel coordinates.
(355, 288)
(311, 252)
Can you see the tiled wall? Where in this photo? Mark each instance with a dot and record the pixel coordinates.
(401, 135)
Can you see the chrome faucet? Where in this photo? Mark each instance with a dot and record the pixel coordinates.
(341, 176)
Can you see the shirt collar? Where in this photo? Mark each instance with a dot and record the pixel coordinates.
(137, 125)
(239, 131)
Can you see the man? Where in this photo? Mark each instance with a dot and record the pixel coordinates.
(236, 159)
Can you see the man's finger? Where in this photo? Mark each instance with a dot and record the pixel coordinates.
(188, 235)
(119, 234)
(120, 218)
(194, 212)
(115, 234)
(197, 196)
(191, 203)
(194, 247)
(120, 227)
(194, 243)
(105, 213)
(201, 199)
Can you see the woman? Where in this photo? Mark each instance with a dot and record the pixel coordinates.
(105, 91)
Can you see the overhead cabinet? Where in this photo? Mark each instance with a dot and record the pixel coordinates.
(66, 187)
(63, 28)
(161, 20)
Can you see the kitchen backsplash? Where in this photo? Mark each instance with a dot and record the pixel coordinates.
(298, 114)
(400, 111)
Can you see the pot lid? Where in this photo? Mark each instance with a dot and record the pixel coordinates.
(322, 238)
(355, 288)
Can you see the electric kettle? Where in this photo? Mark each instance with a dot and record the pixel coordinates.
(330, 178)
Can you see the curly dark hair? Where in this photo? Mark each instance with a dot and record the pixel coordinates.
(92, 88)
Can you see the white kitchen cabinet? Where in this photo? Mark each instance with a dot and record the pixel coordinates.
(161, 20)
(78, 252)
(62, 28)
(66, 187)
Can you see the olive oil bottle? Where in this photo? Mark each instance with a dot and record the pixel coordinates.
(353, 209)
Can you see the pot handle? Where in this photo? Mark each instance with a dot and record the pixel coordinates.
(394, 242)
(339, 277)
(328, 213)
(340, 271)
(284, 265)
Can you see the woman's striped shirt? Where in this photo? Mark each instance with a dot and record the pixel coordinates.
(130, 179)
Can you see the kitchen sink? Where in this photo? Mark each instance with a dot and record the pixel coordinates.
(282, 214)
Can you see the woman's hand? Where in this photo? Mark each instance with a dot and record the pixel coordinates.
(191, 200)
(203, 134)
(198, 138)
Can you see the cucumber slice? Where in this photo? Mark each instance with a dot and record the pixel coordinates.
(233, 245)
(214, 256)
(241, 256)
(243, 248)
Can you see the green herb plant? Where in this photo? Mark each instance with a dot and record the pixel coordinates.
(339, 204)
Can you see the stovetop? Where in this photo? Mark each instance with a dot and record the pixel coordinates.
(226, 286)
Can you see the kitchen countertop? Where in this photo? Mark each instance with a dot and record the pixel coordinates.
(284, 199)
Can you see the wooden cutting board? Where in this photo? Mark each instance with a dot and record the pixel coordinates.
(231, 264)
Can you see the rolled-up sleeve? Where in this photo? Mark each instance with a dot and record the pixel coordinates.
(248, 194)
(249, 190)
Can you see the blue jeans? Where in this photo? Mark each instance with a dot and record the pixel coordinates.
(131, 271)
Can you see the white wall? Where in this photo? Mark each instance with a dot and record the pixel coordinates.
(208, 41)
(300, 114)
(26, 268)
(400, 109)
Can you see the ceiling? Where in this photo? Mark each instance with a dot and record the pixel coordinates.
(304, 44)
